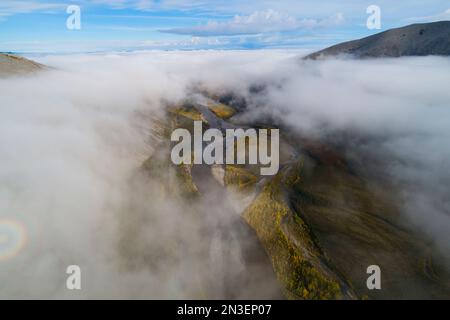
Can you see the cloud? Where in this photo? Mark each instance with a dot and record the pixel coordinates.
(69, 153)
(8, 8)
(152, 5)
(443, 16)
(72, 138)
(268, 21)
(404, 124)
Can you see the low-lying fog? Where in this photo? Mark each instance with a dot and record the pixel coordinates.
(70, 138)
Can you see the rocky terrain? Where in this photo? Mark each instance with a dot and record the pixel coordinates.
(414, 40)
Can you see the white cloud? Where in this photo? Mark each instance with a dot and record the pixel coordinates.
(151, 5)
(8, 8)
(68, 153)
(258, 22)
(403, 123)
(443, 16)
(69, 148)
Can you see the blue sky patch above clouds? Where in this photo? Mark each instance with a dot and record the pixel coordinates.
(40, 26)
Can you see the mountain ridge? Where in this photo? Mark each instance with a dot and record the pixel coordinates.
(421, 39)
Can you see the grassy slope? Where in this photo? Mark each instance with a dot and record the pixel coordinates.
(322, 225)
(296, 262)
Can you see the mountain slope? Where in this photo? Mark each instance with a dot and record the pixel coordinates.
(13, 65)
(413, 40)
(321, 220)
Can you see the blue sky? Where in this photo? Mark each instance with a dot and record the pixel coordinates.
(106, 25)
